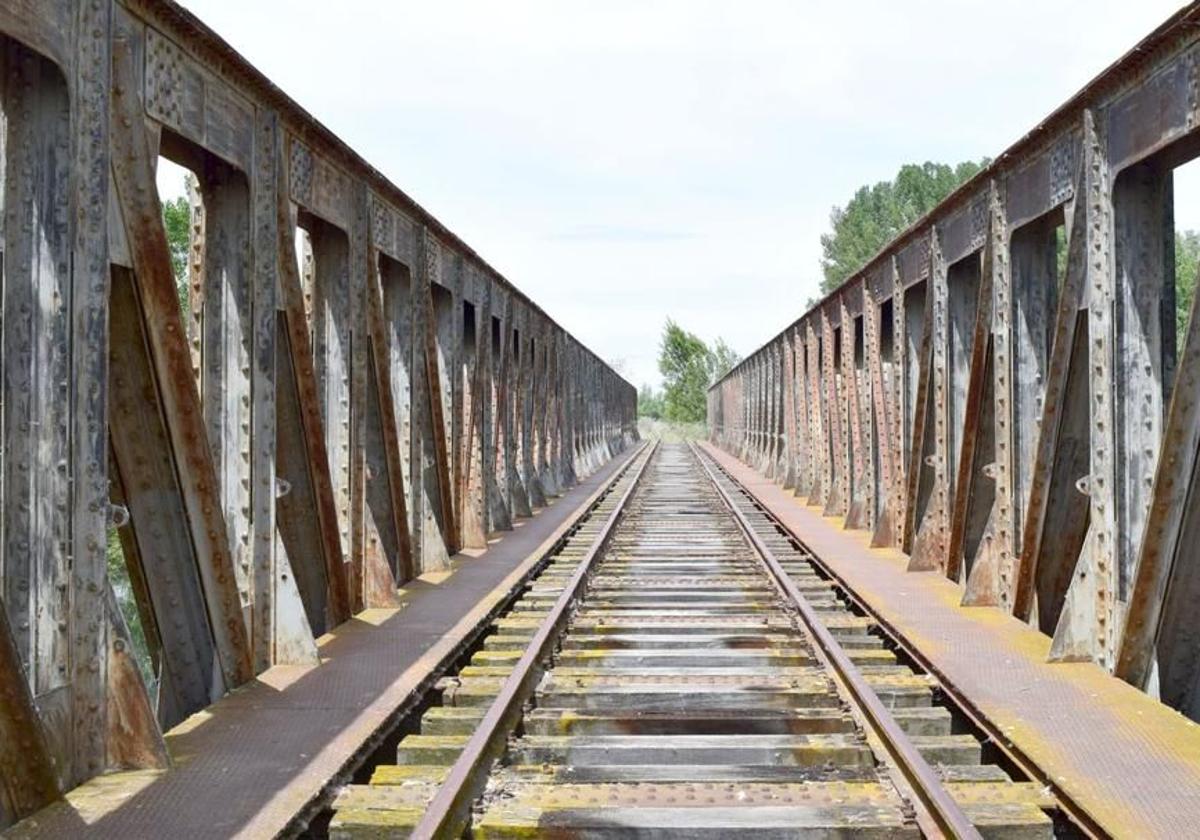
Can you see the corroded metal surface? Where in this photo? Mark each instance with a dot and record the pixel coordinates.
(264, 760)
(1031, 410)
(261, 448)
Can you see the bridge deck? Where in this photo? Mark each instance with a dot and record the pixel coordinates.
(1130, 762)
(250, 762)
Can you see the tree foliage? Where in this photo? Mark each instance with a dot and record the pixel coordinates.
(722, 359)
(177, 222)
(1187, 264)
(650, 403)
(877, 214)
(683, 363)
(688, 367)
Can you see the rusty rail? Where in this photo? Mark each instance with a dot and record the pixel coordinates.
(960, 699)
(449, 812)
(934, 806)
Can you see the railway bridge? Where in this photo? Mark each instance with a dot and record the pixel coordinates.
(327, 530)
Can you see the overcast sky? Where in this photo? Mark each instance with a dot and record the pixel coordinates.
(622, 161)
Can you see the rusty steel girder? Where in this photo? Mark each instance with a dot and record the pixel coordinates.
(303, 441)
(1026, 424)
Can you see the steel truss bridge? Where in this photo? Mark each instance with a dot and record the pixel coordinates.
(343, 536)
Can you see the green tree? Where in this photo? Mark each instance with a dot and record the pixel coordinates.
(118, 578)
(650, 403)
(683, 361)
(877, 214)
(688, 367)
(177, 222)
(1187, 264)
(721, 360)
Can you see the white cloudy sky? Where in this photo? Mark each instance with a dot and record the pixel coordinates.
(622, 161)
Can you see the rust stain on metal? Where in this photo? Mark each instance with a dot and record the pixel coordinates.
(133, 175)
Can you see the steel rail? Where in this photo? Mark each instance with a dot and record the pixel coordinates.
(449, 811)
(1083, 820)
(445, 666)
(934, 805)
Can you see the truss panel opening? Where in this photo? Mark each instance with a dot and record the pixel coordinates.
(327, 292)
(206, 215)
(883, 437)
(913, 306)
(1170, 267)
(473, 390)
(963, 282)
(1038, 260)
(398, 318)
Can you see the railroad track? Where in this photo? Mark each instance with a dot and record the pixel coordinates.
(680, 669)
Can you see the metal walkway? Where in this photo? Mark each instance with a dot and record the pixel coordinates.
(1125, 759)
(259, 762)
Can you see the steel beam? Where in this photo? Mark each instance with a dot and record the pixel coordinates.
(1022, 427)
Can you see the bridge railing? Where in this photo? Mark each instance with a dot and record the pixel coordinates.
(196, 483)
(1001, 392)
